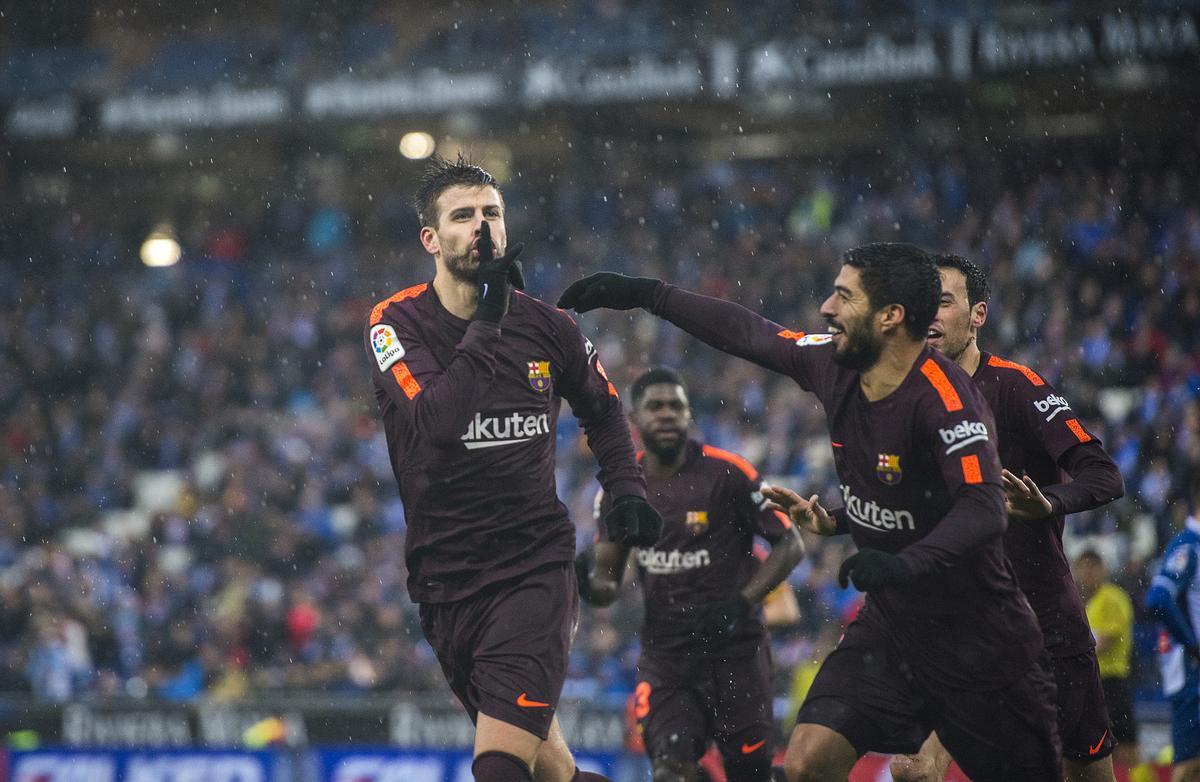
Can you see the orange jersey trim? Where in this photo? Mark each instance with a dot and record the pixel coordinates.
(1078, 430)
(407, 293)
(784, 519)
(937, 378)
(405, 379)
(1030, 375)
(792, 335)
(970, 468)
(727, 456)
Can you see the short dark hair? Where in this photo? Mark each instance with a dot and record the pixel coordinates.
(977, 280)
(898, 273)
(441, 174)
(1090, 555)
(652, 377)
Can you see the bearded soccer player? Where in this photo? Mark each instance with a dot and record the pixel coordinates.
(945, 640)
(705, 668)
(468, 374)
(1040, 440)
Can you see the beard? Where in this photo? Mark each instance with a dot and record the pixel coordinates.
(461, 267)
(860, 347)
(666, 452)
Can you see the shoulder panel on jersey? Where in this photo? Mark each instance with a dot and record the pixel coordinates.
(1077, 429)
(1030, 375)
(407, 293)
(945, 389)
(727, 456)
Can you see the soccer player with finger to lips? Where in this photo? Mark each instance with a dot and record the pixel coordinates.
(945, 640)
(469, 373)
(705, 670)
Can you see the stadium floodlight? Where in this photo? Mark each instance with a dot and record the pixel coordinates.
(417, 145)
(161, 248)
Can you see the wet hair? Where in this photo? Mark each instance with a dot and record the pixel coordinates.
(898, 273)
(652, 377)
(1090, 556)
(441, 174)
(977, 280)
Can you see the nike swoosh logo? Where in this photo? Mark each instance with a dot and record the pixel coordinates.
(524, 702)
(1099, 744)
(749, 748)
(483, 295)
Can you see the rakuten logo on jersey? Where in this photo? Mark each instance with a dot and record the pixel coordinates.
(963, 434)
(873, 516)
(666, 563)
(509, 429)
(1052, 404)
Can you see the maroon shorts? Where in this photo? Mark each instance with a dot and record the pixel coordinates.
(683, 702)
(866, 691)
(504, 649)
(1083, 722)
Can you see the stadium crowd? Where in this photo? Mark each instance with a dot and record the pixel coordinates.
(195, 497)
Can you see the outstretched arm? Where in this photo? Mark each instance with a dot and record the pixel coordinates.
(726, 326)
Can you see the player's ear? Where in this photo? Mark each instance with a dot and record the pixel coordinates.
(979, 314)
(429, 240)
(890, 317)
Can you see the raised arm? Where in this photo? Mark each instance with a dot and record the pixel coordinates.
(726, 326)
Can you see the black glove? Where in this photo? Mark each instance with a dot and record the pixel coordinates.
(633, 522)
(609, 290)
(872, 569)
(516, 274)
(495, 277)
(720, 619)
(583, 574)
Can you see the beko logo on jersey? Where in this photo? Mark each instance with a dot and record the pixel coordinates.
(665, 563)
(871, 514)
(1052, 404)
(963, 434)
(510, 429)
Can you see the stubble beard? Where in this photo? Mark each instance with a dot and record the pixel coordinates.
(956, 352)
(861, 349)
(461, 268)
(666, 454)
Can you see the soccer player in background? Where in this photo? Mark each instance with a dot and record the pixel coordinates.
(469, 374)
(705, 668)
(1041, 440)
(1110, 614)
(945, 640)
(1174, 600)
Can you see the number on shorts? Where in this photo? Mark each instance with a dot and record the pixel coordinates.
(641, 700)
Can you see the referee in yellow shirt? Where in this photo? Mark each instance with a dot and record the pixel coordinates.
(1110, 614)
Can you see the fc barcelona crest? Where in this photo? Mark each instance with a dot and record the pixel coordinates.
(539, 375)
(697, 521)
(888, 468)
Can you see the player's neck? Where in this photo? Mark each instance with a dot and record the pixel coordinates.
(969, 359)
(894, 364)
(460, 298)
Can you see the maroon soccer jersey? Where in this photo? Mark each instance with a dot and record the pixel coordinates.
(903, 462)
(1035, 427)
(711, 511)
(469, 410)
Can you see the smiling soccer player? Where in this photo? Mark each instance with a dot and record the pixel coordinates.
(945, 640)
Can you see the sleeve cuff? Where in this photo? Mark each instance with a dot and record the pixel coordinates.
(623, 487)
